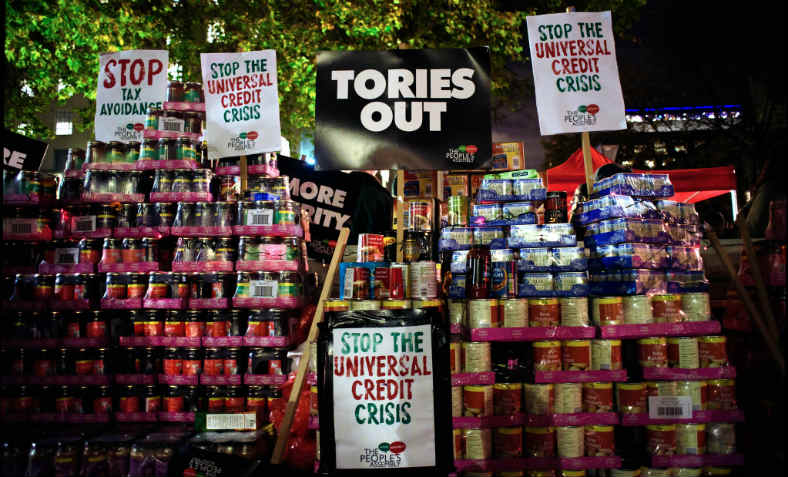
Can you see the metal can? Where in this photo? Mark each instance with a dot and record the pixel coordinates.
(683, 353)
(712, 351)
(597, 397)
(606, 355)
(666, 308)
(576, 355)
(539, 441)
(380, 282)
(423, 280)
(697, 390)
(508, 441)
(455, 356)
(514, 312)
(574, 311)
(507, 399)
(419, 215)
(547, 355)
(661, 439)
(608, 310)
(335, 304)
(599, 441)
(696, 306)
(543, 312)
(568, 398)
(539, 399)
(478, 443)
(483, 313)
(477, 401)
(396, 304)
(721, 394)
(476, 357)
(357, 283)
(631, 398)
(637, 310)
(570, 441)
(399, 280)
(457, 206)
(459, 444)
(458, 313)
(653, 352)
(365, 305)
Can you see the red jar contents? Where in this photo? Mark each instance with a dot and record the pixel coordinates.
(129, 401)
(174, 325)
(478, 266)
(213, 365)
(102, 403)
(172, 363)
(151, 399)
(234, 398)
(191, 362)
(230, 365)
(96, 327)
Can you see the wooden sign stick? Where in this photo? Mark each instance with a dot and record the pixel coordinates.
(244, 175)
(303, 363)
(588, 162)
(400, 213)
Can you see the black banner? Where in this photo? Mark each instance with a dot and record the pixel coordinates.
(336, 199)
(403, 109)
(20, 152)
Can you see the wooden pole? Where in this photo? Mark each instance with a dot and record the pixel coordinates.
(400, 213)
(588, 162)
(771, 344)
(303, 363)
(244, 175)
(763, 295)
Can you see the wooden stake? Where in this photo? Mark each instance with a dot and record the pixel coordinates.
(763, 295)
(771, 344)
(244, 175)
(303, 363)
(400, 213)
(588, 161)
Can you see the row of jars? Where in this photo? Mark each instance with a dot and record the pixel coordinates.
(168, 323)
(183, 147)
(29, 182)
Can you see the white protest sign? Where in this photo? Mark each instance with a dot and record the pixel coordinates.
(575, 72)
(241, 103)
(128, 83)
(384, 409)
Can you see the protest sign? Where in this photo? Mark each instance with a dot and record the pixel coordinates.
(21, 152)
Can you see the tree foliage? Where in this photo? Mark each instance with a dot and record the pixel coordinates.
(52, 47)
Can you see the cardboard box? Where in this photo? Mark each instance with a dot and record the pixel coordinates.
(454, 184)
(508, 156)
(423, 184)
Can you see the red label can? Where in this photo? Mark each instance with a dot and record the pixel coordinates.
(721, 394)
(712, 351)
(153, 328)
(632, 398)
(357, 283)
(600, 441)
(194, 329)
(152, 404)
(661, 440)
(213, 367)
(576, 355)
(597, 397)
(84, 367)
(540, 442)
(507, 398)
(216, 329)
(396, 283)
(381, 285)
(230, 367)
(547, 355)
(129, 404)
(653, 352)
(174, 328)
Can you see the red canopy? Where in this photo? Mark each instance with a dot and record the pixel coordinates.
(691, 185)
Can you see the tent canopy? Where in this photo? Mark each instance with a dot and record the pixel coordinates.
(691, 185)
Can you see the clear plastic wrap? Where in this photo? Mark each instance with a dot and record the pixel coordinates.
(570, 284)
(543, 259)
(616, 206)
(629, 255)
(493, 237)
(686, 282)
(634, 184)
(456, 238)
(678, 212)
(615, 231)
(627, 282)
(684, 258)
(515, 213)
(535, 284)
(547, 235)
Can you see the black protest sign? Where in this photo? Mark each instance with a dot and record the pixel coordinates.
(403, 109)
(22, 153)
(335, 199)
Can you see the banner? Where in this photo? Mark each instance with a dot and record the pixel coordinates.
(575, 73)
(384, 406)
(241, 103)
(403, 109)
(128, 83)
(21, 152)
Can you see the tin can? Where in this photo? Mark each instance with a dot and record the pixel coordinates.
(365, 305)
(477, 401)
(576, 355)
(721, 394)
(539, 399)
(357, 284)
(666, 308)
(423, 280)
(478, 443)
(476, 357)
(574, 311)
(712, 351)
(653, 352)
(637, 310)
(547, 355)
(455, 356)
(508, 441)
(599, 441)
(456, 401)
(380, 283)
(419, 215)
(457, 206)
(396, 304)
(570, 441)
(483, 313)
(503, 278)
(696, 306)
(514, 312)
(539, 442)
(507, 399)
(597, 397)
(608, 310)
(370, 248)
(697, 390)
(631, 398)
(606, 355)
(458, 313)
(661, 439)
(721, 438)
(683, 353)
(399, 281)
(661, 388)
(568, 398)
(335, 304)
(543, 312)
(459, 444)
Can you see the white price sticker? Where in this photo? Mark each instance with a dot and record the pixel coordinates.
(264, 288)
(66, 256)
(670, 407)
(260, 217)
(171, 124)
(85, 223)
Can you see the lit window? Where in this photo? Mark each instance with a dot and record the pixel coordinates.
(64, 123)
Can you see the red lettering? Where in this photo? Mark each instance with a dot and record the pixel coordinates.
(154, 67)
(414, 368)
(354, 368)
(139, 67)
(123, 64)
(369, 387)
(581, 48)
(381, 365)
(109, 81)
(369, 360)
(565, 64)
(392, 362)
(397, 389)
(427, 371)
(356, 396)
(246, 82)
(409, 382)
(223, 100)
(556, 69)
(380, 387)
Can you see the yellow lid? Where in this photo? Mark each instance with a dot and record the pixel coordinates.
(508, 386)
(543, 301)
(509, 430)
(426, 303)
(598, 385)
(631, 386)
(546, 344)
(722, 382)
(666, 297)
(661, 427)
(540, 430)
(712, 339)
(476, 389)
(653, 341)
(596, 428)
(577, 343)
(609, 300)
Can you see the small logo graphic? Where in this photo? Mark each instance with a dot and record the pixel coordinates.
(397, 447)
(139, 127)
(462, 154)
(251, 135)
(130, 126)
(383, 446)
(584, 115)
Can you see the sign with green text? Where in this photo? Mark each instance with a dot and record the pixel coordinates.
(129, 82)
(384, 405)
(241, 103)
(575, 73)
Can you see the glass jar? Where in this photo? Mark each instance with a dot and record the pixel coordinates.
(132, 251)
(192, 123)
(182, 180)
(478, 267)
(136, 285)
(201, 180)
(167, 149)
(75, 158)
(163, 181)
(149, 149)
(185, 149)
(555, 210)
(94, 152)
(289, 285)
(193, 93)
(116, 152)
(127, 217)
(286, 212)
(175, 92)
(195, 323)
(112, 251)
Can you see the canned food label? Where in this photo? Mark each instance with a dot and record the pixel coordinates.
(285, 217)
(263, 288)
(173, 328)
(191, 367)
(288, 290)
(129, 404)
(670, 407)
(173, 404)
(260, 217)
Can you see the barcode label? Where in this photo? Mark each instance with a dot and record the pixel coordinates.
(171, 124)
(85, 223)
(66, 256)
(264, 288)
(21, 227)
(670, 407)
(260, 217)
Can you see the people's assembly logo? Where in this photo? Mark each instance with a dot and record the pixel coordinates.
(385, 455)
(462, 154)
(129, 132)
(243, 141)
(584, 115)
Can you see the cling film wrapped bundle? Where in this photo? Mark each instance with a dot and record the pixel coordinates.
(547, 235)
(627, 282)
(554, 259)
(617, 206)
(629, 255)
(634, 184)
(615, 231)
(678, 212)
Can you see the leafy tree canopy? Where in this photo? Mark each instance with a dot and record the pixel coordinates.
(52, 46)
